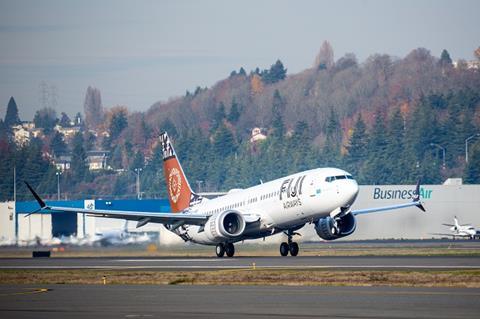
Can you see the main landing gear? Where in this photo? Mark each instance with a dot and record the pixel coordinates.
(291, 246)
(223, 249)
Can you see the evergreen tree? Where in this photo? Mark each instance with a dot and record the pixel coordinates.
(276, 73)
(234, 114)
(224, 142)
(57, 144)
(333, 141)
(445, 60)
(138, 161)
(79, 168)
(376, 167)
(11, 117)
(168, 126)
(357, 149)
(218, 117)
(278, 126)
(118, 124)
(395, 151)
(300, 148)
(64, 120)
(45, 118)
(242, 72)
(89, 141)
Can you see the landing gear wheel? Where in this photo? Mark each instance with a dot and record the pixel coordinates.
(229, 249)
(293, 249)
(284, 249)
(220, 250)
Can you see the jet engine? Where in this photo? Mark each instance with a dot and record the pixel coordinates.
(329, 228)
(225, 225)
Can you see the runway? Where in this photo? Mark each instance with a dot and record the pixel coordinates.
(213, 263)
(131, 301)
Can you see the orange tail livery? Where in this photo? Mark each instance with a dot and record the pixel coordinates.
(180, 193)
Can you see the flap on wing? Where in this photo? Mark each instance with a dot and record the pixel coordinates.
(164, 218)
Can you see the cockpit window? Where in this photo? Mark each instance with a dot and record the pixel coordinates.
(330, 179)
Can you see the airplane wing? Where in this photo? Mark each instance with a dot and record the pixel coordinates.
(449, 225)
(416, 202)
(141, 217)
(452, 235)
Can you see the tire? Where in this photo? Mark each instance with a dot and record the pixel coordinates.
(229, 249)
(284, 249)
(294, 249)
(220, 250)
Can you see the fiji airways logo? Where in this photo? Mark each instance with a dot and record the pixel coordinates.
(174, 184)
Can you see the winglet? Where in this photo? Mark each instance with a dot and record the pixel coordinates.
(39, 200)
(416, 198)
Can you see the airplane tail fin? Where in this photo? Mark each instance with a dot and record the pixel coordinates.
(456, 222)
(180, 194)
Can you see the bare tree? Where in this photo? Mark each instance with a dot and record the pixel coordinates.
(93, 108)
(324, 59)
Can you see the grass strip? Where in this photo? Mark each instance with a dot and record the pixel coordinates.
(282, 277)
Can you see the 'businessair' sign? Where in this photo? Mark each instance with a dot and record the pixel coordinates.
(388, 193)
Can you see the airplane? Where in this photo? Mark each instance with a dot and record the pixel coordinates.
(322, 197)
(458, 230)
(120, 237)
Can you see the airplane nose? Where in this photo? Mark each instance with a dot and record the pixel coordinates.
(351, 192)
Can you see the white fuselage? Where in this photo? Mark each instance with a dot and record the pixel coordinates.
(282, 204)
(463, 231)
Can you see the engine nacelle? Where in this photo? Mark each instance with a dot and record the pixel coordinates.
(329, 228)
(225, 225)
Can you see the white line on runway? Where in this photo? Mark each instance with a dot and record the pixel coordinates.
(242, 267)
(170, 260)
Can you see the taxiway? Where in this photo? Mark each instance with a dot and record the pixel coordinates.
(131, 301)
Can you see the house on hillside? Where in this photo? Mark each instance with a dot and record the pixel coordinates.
(21, 135)
(68, 132)
(257, 135)
(467, 64)
(63, 162)
(97, 160)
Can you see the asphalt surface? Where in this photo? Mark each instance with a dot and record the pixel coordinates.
(130, 301)
(213, 263)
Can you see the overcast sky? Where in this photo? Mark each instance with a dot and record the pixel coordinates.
(141, 52)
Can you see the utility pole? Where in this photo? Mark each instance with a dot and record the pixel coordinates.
(58, 173)
(466, 145)
(138, 170)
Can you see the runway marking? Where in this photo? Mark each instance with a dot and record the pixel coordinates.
(170, 260)
(266, 267)
(34, 291)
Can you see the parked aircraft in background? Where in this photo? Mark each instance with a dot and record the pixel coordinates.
(120, 237)
(322, 197)
(457, 230)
